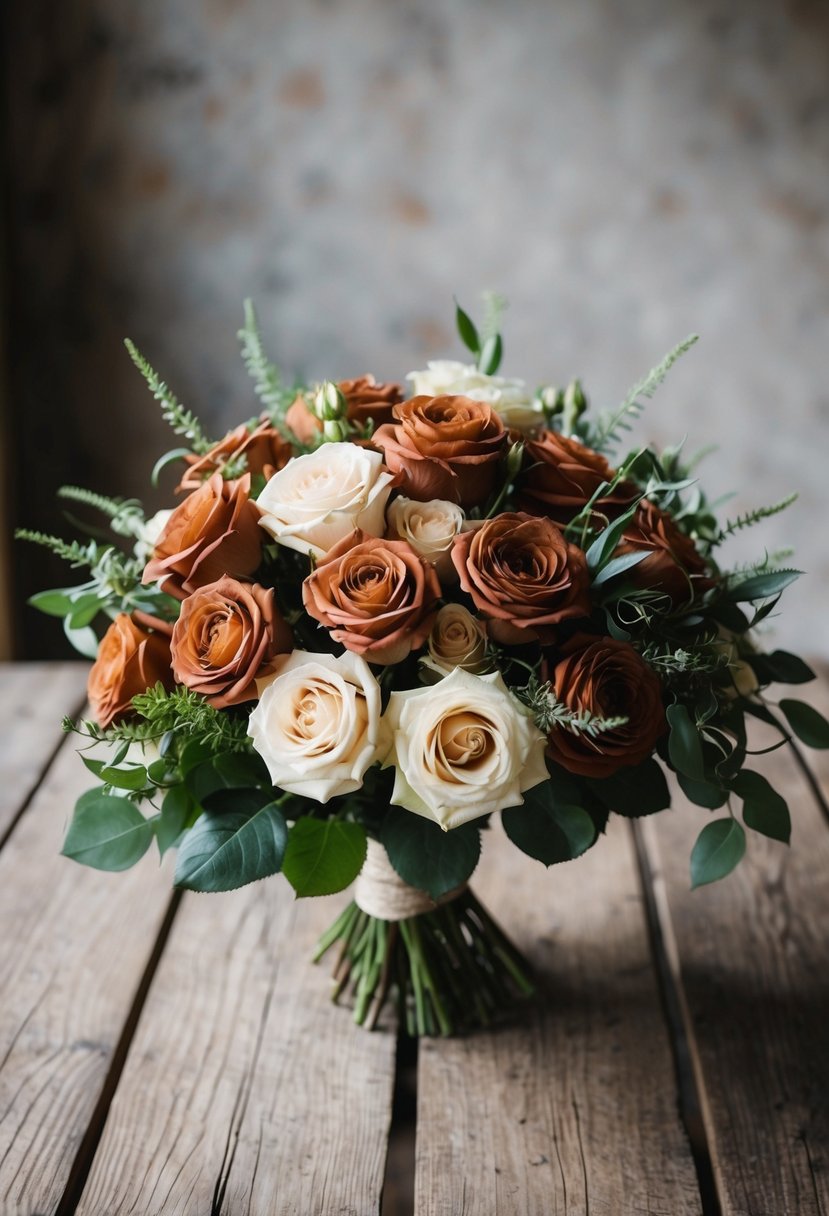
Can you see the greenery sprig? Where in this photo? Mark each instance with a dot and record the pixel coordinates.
(183, 421)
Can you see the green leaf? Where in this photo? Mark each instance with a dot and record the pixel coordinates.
(617, 565)
(84, 610)
(467, 330)
(176, 815)
(163, 461)
(323, 855)
(718, 849)
(703, 793)
(125, 778)
(490, 357)
(762, 586)
(780, 666)
(764, 809)
(84, 640)
(634, 791)
(224, 851)
(810, 726)
(601, 551)
(684, 745)
(549, 830)
(425, 856)
(226, 771)
(107, 833)
(53, 603)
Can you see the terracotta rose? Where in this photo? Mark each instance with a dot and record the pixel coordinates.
(376, 596)
(226, 635)
(264, 450)
(214, 531)
(609, 679)
(130, 660)
(674, 566)
(444, 447)
(561, 475)
(523, 575)
(365, 399)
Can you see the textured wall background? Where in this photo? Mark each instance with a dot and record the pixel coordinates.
(623, 172)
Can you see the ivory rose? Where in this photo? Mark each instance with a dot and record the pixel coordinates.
(457, 639)
(226, 634)
(317, 725)
(462, 748)
(319, 498)
(516, 405)
(561, 475)
(130, 660)
(365, 399)
(146, 536)
(261, 446)
(673, 566)
(429, 527)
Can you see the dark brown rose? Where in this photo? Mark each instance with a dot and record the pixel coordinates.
(561, 475)
(225, 637)
(674, 566)
(523, 575)
(213, 532)
(366, 399)
(130, 660)
(607, 679)
(376, 596)
(264, 450)
(444, 447)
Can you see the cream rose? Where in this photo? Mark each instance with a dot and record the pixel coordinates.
(429, 527)
(148, 533)
(317, 499)
(462, 748)
(513, 401)
(457, 640)
(317, 725)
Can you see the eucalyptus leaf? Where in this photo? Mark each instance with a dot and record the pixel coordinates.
(601, 551)
(425, 856)
(780, 667)
(810, 726)
(617, 565)
(53, 603)
(762, 586)
(107, 833)
(719, 847)
(176, 814)
(125, 778)
(634, 791)
(684, 744)
(764, 809)
(324, 855)
(84, 640)
(703, 793)
(547, 829)
(224, 851)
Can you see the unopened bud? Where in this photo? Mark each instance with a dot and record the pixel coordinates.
(515, 457)
(552, 400)
(329, 403)
(335, 430)
(575, 403)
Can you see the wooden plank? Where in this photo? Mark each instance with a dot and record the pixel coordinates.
(751, 958)
(573, 1109)
(33, 699)
(245, 1090)
(73, 950)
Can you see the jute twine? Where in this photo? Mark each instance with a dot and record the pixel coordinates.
(382, 893)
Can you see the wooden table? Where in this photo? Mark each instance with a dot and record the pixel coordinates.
(169, 1055)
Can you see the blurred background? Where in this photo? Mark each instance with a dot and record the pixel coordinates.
(623, 172)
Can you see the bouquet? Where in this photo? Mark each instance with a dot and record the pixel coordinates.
(370, 622)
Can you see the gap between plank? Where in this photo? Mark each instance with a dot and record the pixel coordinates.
(678, 1021)
(397, 1194)
(85, 1155)
(811, 779)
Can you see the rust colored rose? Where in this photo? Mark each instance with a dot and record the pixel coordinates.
(213, 532)
(561, 475)
(674, 565)
(130, 660)
(523, 575)
(226, 635)
(365, 399)
(376, 596)
(608, 679)
(264, 450)
(444, 447)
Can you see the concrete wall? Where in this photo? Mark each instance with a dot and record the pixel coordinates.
(625, 171)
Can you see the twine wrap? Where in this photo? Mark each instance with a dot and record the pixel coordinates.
(382, 893)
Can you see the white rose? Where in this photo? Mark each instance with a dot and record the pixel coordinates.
(429, 527)
(457, 640)
(316, 500)
(514, 403)
(317, 725)
(148, 532)
(462, 748)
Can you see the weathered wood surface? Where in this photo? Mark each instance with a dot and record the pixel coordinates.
(574, 1109)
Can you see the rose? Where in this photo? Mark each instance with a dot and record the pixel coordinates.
(130, 660)
(429, 527)
(523, 575)
(147, 534)
(517, 407)
(457, 639)
(606, 679)
(673, 566)
(376, 596)
(226, 634)
(263, 450)
(317, 725)
(444, 447)
(319, 498)
(213, 532)
(561, 475)
(462, 748)
(365, 399)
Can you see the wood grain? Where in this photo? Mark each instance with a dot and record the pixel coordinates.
(246, 1091)
(752, 962)
(73, 949)
(574, 1108)
(33, 699)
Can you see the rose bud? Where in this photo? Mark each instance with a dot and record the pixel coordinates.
(561, 475)
(429, 527)
(130, 660)
(674, 565)
(263, 450)
(457, 639)
(213, 532)
(226, 636)
(523, 576)
(376, 596)
(606, 679)
(365, 400)
(444, 447)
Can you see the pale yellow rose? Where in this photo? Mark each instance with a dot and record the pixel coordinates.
(457, 640)
(515, 404)
(429, 527)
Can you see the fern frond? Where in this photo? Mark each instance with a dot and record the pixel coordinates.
(183, 421)
(750, 518)
(610, 426)
(71, 551)
(125, 514)
(267, 381)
